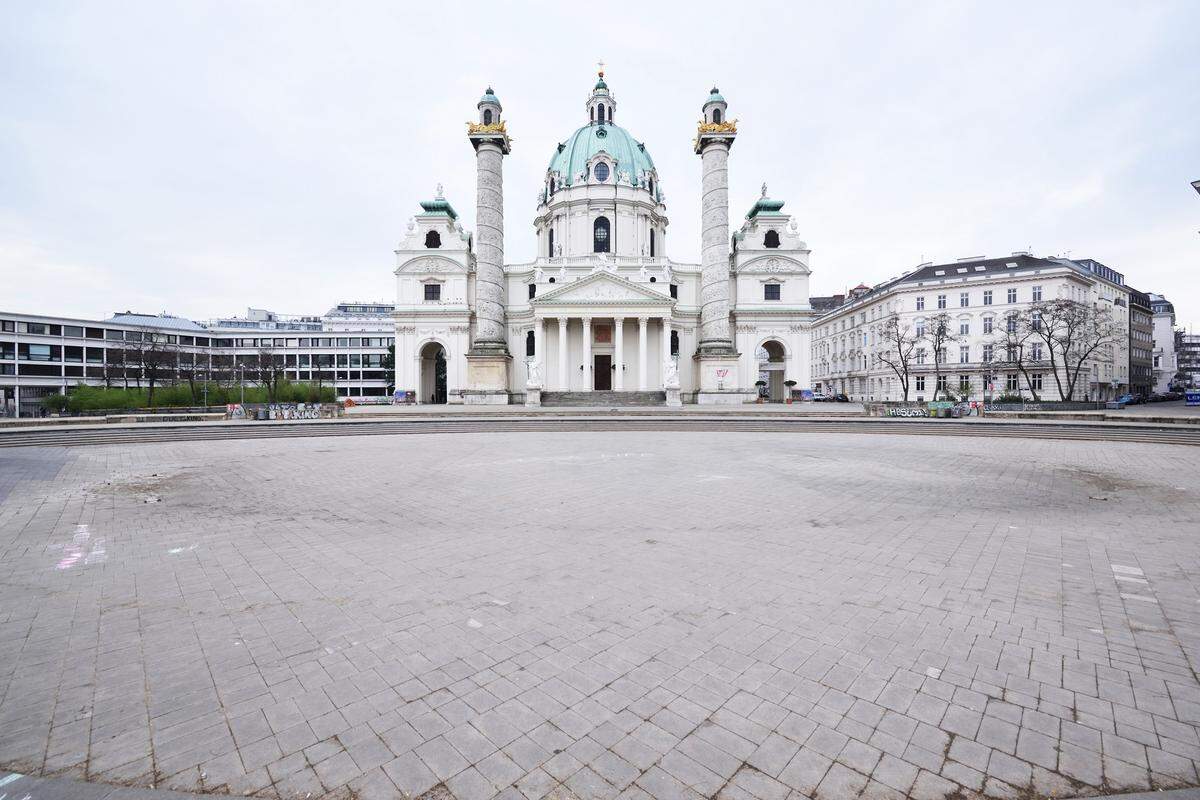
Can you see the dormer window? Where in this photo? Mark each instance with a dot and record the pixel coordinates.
(487, 116)
(433, 240)
(601, 169)
(771, 239)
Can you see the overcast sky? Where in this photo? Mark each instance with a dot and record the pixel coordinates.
(203, 157)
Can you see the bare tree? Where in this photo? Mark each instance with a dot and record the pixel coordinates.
(267, 370)
(1016, 346)
(156, 357)
(899, 343)
(939, 334)
(1074, 334)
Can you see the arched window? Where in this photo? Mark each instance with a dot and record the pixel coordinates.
(652, 243)
(550, 244)
(650, 185)
(717, 115)
(532, 290)
(592, 114)
(600, 114)
(552, 186)
(600, 171)
(600, 231)
(771, 239)
(433, 239)
(530, 344)
(487, 116)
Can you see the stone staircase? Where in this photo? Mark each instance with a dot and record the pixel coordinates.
(604, 398)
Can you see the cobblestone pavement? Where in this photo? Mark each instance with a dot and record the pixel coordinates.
(670, 615)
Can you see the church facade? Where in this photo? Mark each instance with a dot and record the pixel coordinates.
(602, 308)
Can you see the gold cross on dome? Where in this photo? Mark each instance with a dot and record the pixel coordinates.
(600, 64)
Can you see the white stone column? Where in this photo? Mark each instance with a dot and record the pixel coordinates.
(539, 346)
(489, 249)
(714, 254)
(642, 321)
(587, 354)
(564, 379)
(666, 351)
(619, 353)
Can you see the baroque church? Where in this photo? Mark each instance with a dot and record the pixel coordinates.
(602, 308)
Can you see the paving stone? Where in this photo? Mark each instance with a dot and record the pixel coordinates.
(308, 637)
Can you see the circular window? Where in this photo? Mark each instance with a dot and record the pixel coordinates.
(601, 172)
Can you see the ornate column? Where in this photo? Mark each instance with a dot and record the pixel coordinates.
(564, 379)
(716, 356)
(642, 353)
(488, 360)
(619, 353)
(587, 354)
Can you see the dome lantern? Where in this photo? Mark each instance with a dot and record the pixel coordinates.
(601, 105)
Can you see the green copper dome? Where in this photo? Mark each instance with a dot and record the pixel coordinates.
(628, 155)
(489, 97)
(714, 97)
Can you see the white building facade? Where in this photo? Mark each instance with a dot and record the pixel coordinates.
(1166, 363)
(602, 308)
(978, 295)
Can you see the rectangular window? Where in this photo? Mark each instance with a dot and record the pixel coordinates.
(1037, 294)
(920, 304)
(1010, 323)
(964, 328)
(1035, 351)
(987, 352)
(987, 324)
(921, 356)
(964, 384)
(433, 292)
(920, 381)
(1010, 382)
(532, 290)
(1036, 380)
(770, 291)
(941, 383)
(675, 290)
(987, 297)
(964, 300)
(1012, 295)
(964, 354)
(73, 330)
(941, 300)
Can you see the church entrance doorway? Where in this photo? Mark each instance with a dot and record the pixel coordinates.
(602, 372)
(772, 367)
(433, 374)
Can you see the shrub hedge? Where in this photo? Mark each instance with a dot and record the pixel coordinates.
(97, 398)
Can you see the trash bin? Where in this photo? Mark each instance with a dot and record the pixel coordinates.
(260, 414)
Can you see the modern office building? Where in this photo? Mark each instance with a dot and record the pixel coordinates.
(347, 348)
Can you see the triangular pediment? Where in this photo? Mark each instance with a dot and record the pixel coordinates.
(602, 288)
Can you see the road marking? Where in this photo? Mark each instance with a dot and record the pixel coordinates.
(1140, 597)
(7, 779)
(1124, 570)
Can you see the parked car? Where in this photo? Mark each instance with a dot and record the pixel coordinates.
(841, 398)
(1129, 399)
(819, 397)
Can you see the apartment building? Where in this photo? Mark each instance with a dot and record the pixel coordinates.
(979, 295)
